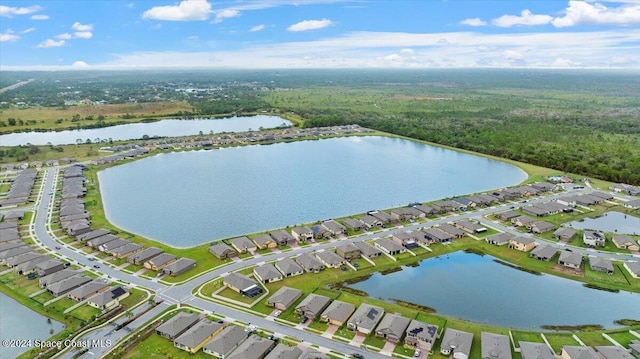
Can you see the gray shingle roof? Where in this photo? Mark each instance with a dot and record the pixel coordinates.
(226, 340)
(338, 311)
(285, 296)
(197, 334)
(495, 346)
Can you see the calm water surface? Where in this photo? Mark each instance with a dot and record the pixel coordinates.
(187, 198)
(477, 289)
(610, 222)
(20, 322)
(138, 130)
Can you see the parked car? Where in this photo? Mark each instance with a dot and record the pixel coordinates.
(96, 266)
(417, 353)
(57, 247)
(304, 320)
(357, 356)
(277, 313)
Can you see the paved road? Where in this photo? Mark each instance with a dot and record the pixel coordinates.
(182, 293)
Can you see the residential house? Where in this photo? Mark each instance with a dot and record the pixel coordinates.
(578, 352)
(541, 227)
(499, 239)
(8, 246)
(381, 216)
(601, 265)
(392, 327)
(337, 313)
(113, 245)
(570, 259)
(267, 273)
(89, 289)
(226, 342)
(265, 241)
(281, 237)
(312, 306)
(529, 350)
(365, 319)
(50, 266)
(635, 347)
(613, 352)
(127, 250)
(593, 239)
(420, 334)
(470, 227)
(435, 235)
(11, 254)
(456, 343)
(330, 259)
(29, 267)
(288, 267)
(319, 232)
(108, 299)
(241, 284)
(367, 250)
(44, 281)
(197, 336)
(407, 239)
(543, 186)
(564, 234)
(178, 267)
(388, 246)
(222, 250)
(348, 251)
(522, 221)
(455, 232)
(66, 285)
(633, 267)
(405, 214)
(282, 351)
(355, 224)
(76, 228)
(284, 298)
(97, 242)
(302, 234)
(464, 202)
(23, 258)
(544, 252)
(160, 261)
(309, 263)
(633, 204)
(144, 256)
(255, 347)
(427, 210)
(495, 346)
(243, 245)
(508, 215)
(334, 227)
(523, 244)
(177, 325)
(370, 221)
(9, 235)
(625, 242)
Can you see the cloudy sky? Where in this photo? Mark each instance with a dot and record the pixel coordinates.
(319, 33)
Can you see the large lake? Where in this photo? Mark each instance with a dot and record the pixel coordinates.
(188, 198)
(12, 326)
(610, 222)
(477, 289)
(138, 130)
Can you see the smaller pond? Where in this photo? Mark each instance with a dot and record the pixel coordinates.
(134, 131)
(20, 322)
(478, 289)
(614, 222)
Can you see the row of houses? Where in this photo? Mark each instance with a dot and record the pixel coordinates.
(20, 190)
(584, 352)
(132, 153)
(192, 332)
(75, 220)
(8, 167)
(594, 239)
(625, 188)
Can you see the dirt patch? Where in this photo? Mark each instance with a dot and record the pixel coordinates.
(568, 271)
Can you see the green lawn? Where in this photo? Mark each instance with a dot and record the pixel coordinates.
(85, 312)
(623, 337)
(159, 347)
(318, 325)
(526, 337)
(375, 341)
(593, 339)
(557, 340)
(233, 295)
(344, 332)
(135, 296)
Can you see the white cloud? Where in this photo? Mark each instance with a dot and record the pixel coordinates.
(560, 62)
(512, 55)
(476, 21)
(65, 36)
(193, 38)
(309, 25)
(49, 43)
(39, 17)
(526, 18)
(8, 11)
(80, 27)
(581, 12)
(26, 31)
(9, 36)
(257, 28)
(80, 64)
(225, 14)
(130, 5)
(186, 10)
(407, 51)
(83, 34)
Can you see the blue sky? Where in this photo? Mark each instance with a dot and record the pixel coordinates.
(319, 34)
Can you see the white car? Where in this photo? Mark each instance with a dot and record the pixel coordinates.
(277, 313)
(417, 353)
